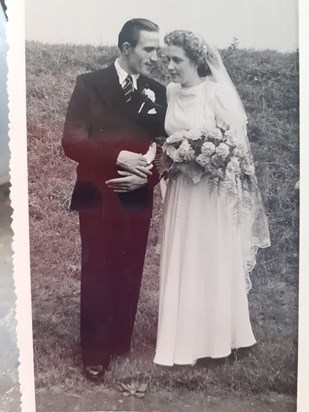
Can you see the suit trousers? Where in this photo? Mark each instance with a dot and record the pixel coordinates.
(113, 253)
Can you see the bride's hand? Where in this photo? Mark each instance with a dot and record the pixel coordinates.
(127, 183)
(134, 163)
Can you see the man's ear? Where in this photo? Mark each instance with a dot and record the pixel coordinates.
(126, 48)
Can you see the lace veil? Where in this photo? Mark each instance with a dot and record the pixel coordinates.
(253, 226)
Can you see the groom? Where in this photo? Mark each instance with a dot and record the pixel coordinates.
(112, 118)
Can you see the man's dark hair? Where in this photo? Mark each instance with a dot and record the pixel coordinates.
(130, 31)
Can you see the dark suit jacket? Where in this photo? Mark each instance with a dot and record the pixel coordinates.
(99, 124)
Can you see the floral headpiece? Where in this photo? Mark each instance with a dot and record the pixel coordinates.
(193, 44)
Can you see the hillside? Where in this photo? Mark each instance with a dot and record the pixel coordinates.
(267, 82)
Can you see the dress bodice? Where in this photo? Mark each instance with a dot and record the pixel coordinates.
(192, 107)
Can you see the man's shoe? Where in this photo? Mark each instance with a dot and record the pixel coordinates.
(95, 373)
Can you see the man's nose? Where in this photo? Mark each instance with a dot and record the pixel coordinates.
(154, 57)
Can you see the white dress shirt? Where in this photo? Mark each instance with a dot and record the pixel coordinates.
(122, 75)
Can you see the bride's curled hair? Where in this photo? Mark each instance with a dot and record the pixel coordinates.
(194, 46)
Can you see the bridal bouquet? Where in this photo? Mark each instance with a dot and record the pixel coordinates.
(195, 153)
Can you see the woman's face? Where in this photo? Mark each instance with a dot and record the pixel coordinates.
(181, 68)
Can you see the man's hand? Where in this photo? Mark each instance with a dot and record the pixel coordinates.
(134, 163)
(127, 183)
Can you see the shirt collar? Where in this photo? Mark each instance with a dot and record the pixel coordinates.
(122, 74)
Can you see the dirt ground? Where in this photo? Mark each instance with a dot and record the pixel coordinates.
(161, 401)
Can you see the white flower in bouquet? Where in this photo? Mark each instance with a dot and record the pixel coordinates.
(217, 134)
(233, 165)
(223, 150)
(208, 148)
(249, 169)
(240, 151)
(176, 137)
(194, 134)
(203, 160)
(186, 152)
(173, 153)
(229, 136)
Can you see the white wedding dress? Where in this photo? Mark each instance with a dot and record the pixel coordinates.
(203, 310)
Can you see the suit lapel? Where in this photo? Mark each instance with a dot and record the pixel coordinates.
(110, 90)
(142, 83)
(112, 94)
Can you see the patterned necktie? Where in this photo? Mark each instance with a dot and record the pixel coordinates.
(128, 88)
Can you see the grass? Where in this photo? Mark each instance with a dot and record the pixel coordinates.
(268, 84)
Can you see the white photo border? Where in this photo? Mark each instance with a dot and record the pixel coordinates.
(19, 198)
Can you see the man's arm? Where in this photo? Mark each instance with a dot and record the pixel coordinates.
(131, 180)
(134, 163)
(76, 141)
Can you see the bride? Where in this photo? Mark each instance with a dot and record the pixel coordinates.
(206, 255)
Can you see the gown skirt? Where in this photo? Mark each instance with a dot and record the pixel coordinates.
(203, 309)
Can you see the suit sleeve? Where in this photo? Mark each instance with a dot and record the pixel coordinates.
(162, 111)
(76, 141)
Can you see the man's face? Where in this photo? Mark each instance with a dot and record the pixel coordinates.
(144, 55)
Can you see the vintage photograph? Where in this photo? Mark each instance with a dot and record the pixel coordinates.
(163, 178)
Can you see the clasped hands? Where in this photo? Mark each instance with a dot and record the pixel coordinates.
(134, 171)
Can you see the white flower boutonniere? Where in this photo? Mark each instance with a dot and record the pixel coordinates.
(150, 94)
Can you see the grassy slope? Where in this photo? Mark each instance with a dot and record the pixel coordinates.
(268, 84)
